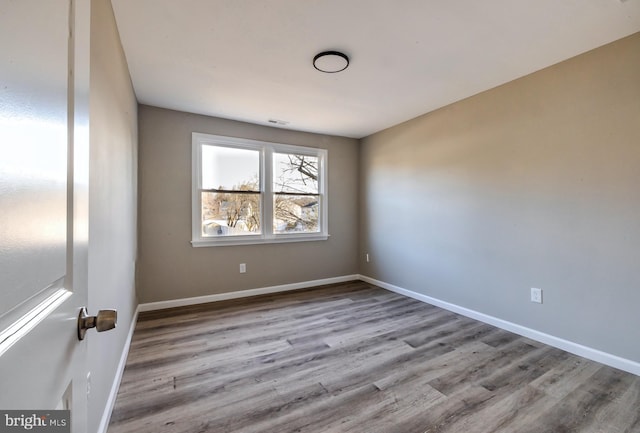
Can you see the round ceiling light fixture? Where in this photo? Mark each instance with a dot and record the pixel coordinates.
(330, 62)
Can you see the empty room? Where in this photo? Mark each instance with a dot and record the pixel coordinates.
(320, 216)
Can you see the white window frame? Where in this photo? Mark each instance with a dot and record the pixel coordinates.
(266, 149)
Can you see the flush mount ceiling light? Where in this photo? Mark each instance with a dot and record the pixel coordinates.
(330, 62)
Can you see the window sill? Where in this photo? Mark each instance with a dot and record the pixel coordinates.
(256, 240)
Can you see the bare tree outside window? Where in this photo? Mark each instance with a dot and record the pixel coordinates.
(236, 210)
(231, 196)
(246, 191)
(296, 194)
(232, 213)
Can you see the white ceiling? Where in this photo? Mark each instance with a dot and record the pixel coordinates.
(251, 60)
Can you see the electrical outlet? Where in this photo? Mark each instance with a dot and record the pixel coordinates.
(243, 268)
(536, 295)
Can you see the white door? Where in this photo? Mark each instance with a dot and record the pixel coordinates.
(44, 79)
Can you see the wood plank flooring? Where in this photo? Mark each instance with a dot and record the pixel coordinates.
(356, 358)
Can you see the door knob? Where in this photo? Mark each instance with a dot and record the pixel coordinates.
(103, 321)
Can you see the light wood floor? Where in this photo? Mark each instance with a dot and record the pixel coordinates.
(356, 358)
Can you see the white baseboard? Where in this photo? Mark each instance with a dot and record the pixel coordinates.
(569, 346)
(575, 348)
(150, 306)
(111, 400)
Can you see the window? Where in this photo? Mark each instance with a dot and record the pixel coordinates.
(249, 192)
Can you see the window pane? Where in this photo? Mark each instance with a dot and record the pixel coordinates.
(225, 214)
(295, 173)
(296, 214)
(230, 169)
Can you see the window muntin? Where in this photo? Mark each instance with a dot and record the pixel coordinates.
(247, 192)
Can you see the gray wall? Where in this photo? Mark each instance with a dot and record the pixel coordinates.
(170, 268)
(535, 183)
(112, 202)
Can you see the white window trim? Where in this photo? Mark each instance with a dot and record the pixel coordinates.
(266, 187)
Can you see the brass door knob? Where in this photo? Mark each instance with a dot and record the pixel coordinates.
(103, 321)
